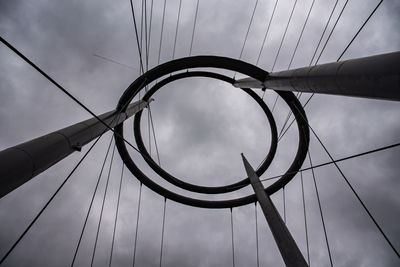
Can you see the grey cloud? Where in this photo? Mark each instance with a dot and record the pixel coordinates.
(198, 139)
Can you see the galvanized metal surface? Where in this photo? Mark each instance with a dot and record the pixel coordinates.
(287, 246)
(370, 77)
(21, 163)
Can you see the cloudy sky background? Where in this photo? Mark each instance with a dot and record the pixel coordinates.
(202, 126)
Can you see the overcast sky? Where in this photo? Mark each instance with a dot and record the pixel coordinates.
(202, 126)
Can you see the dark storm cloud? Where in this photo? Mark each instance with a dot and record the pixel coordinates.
(201, 126)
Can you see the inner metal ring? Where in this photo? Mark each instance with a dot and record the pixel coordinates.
(222, 63)
(197, 188)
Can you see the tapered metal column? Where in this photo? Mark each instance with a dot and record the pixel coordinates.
(21, 163)
(287, 246)
(371, 77)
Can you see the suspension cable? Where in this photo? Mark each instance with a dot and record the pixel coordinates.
(323, 33)
(359, 30)
(91, 202)
(330, 33)
(273, 106)
(116, 214)
(162, 31)
(194, 27)
(149, 41)
(141, 32)
(154, 137)
(146, 36)
(162, 231)
(102, 206)
(233, 244)
(47, 203)
(301, 34)
(115, 62)
(137, 36)
(137, 225)
(266, 34)
(177, 26)
(337, 160)
(248, 30)
(284, 35)
(353, 190)
(284, 204)
(320, 210)
(257, 249)
(305, 217)
(149, 129)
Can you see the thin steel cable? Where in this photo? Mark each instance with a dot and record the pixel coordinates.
(248, 30)
(336, 161)
(305, 217)
(149, 41)
(155, 138)
(102, 206)
(266, 34)
(320, 211)
(137, 36)
(257, 249)
(163, 231)
(141, 31)
(359, 30)
(146, 36)
(284, 124)
(233, 244)
(323, 33)
(91, 203)
(149, 130)
(284, 204)
(263, 94)
(273, 107)
(177, 27)
(291, 123)
(194, 27)
(354, 192)
(115, 62)
(330, 33)
(162, 31)
(284, 35)
(116, 214)
(47, 204)
(137, 225)
(301, 34)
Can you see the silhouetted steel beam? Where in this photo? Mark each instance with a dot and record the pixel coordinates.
(371, 77)
(21, 163)
(287, 246)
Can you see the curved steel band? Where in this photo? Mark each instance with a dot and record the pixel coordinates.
(223, 63)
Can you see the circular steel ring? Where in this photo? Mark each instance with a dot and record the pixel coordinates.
(223, 63)
(197, 188)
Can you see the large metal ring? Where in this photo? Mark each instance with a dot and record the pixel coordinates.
(223, 63)
(197, 188)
